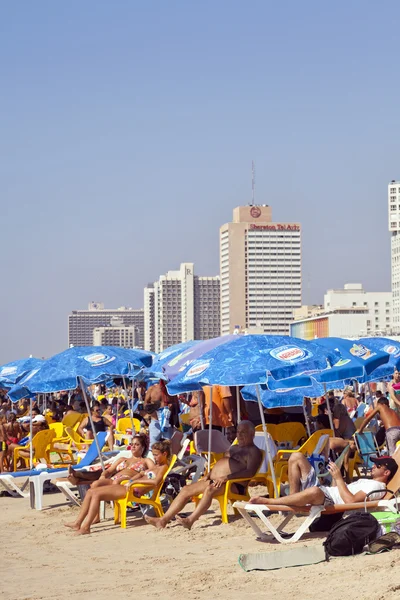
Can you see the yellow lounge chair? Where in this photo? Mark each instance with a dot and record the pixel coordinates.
(40, 443)
(121, 505)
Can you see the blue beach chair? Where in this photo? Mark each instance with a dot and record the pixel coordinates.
(10, 480)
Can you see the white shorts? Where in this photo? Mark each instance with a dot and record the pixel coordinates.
(310, 481)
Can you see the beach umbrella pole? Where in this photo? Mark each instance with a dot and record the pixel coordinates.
(210, 430)
(96, 441)
(306, 420)
(270, 461)
(370, 394)
(238, 417)
(201, 411)
(328, 406)
(129, 406)
(31, 436)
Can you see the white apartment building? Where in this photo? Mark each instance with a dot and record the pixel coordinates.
(378, 305)
(81, 323)
(394, 228)
(260, 270)
(117, 334)
(179, 307)
(348, 312)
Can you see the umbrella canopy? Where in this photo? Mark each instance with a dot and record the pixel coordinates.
(245, 359)
(92, 363)
(160, 360)
(12, 372)
(384, 345)
(357, 359)
(282, 398)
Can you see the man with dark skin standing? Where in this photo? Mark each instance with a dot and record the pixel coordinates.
(240, 461)
(390, 420)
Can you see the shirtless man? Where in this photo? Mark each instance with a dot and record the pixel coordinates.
(241, 461)
(350, 401)
(390, 420)
(314, 494)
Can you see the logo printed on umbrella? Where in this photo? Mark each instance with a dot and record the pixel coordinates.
(7, 371)
(176, 359)
(361, 351)
(341, 362)
(198, 369)
(290, 353)
(391, 350)
(97, 359)
(28, 377)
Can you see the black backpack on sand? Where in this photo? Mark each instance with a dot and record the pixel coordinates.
(350, 535)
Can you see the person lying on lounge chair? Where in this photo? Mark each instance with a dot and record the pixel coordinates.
(304, 489)
(107, 490)
(241, 461)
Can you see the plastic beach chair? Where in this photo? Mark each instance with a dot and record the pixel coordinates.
(40, 444)
(37, 480)
(155, 500)
(366, 447)
(389, 503)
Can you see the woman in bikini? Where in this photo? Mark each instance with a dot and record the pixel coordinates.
(101, 423)
(151, 477)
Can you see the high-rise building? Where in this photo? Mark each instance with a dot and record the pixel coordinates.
(149, 320)
(181, 306)
(116, 334)
(81, 323)
(394, 228)
(260, 270)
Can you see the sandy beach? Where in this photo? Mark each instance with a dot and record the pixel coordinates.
(42, 561)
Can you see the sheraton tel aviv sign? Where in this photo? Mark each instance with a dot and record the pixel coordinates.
(275, 227)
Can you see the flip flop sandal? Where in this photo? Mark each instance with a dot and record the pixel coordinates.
(385, 542)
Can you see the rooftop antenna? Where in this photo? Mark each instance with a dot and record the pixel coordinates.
(253, 182)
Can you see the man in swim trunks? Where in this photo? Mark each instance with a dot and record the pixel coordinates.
(390, 420)
(241, 461)
(313, 494)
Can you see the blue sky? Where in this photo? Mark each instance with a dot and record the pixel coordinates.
(127, 134)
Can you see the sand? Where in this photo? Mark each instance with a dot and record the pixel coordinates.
(42, 560)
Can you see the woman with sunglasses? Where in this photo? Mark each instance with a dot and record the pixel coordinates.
(101, 423)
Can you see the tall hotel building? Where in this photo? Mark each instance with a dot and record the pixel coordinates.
(260, 270)
(394, 228)
(179, 307)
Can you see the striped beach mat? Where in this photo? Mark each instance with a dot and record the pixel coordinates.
(296, 557)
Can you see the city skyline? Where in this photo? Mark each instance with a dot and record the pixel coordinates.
(120, 160)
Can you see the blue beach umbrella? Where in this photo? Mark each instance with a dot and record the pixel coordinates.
(246, 359)
(385, 345)
(156, 370)
(282, 398)
(357, 359)
(12, 372)
(93, 364)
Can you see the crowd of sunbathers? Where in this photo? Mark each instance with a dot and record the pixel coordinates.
(160, 415)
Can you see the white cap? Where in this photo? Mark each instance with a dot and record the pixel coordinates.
(38, 419)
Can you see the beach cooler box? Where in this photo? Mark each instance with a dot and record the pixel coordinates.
(387, 519)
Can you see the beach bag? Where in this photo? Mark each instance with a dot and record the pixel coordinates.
(350, 535)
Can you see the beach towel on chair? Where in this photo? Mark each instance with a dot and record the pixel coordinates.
(296, 557)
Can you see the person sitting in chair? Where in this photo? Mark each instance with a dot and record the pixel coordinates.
(240, 461)
(305, 489)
